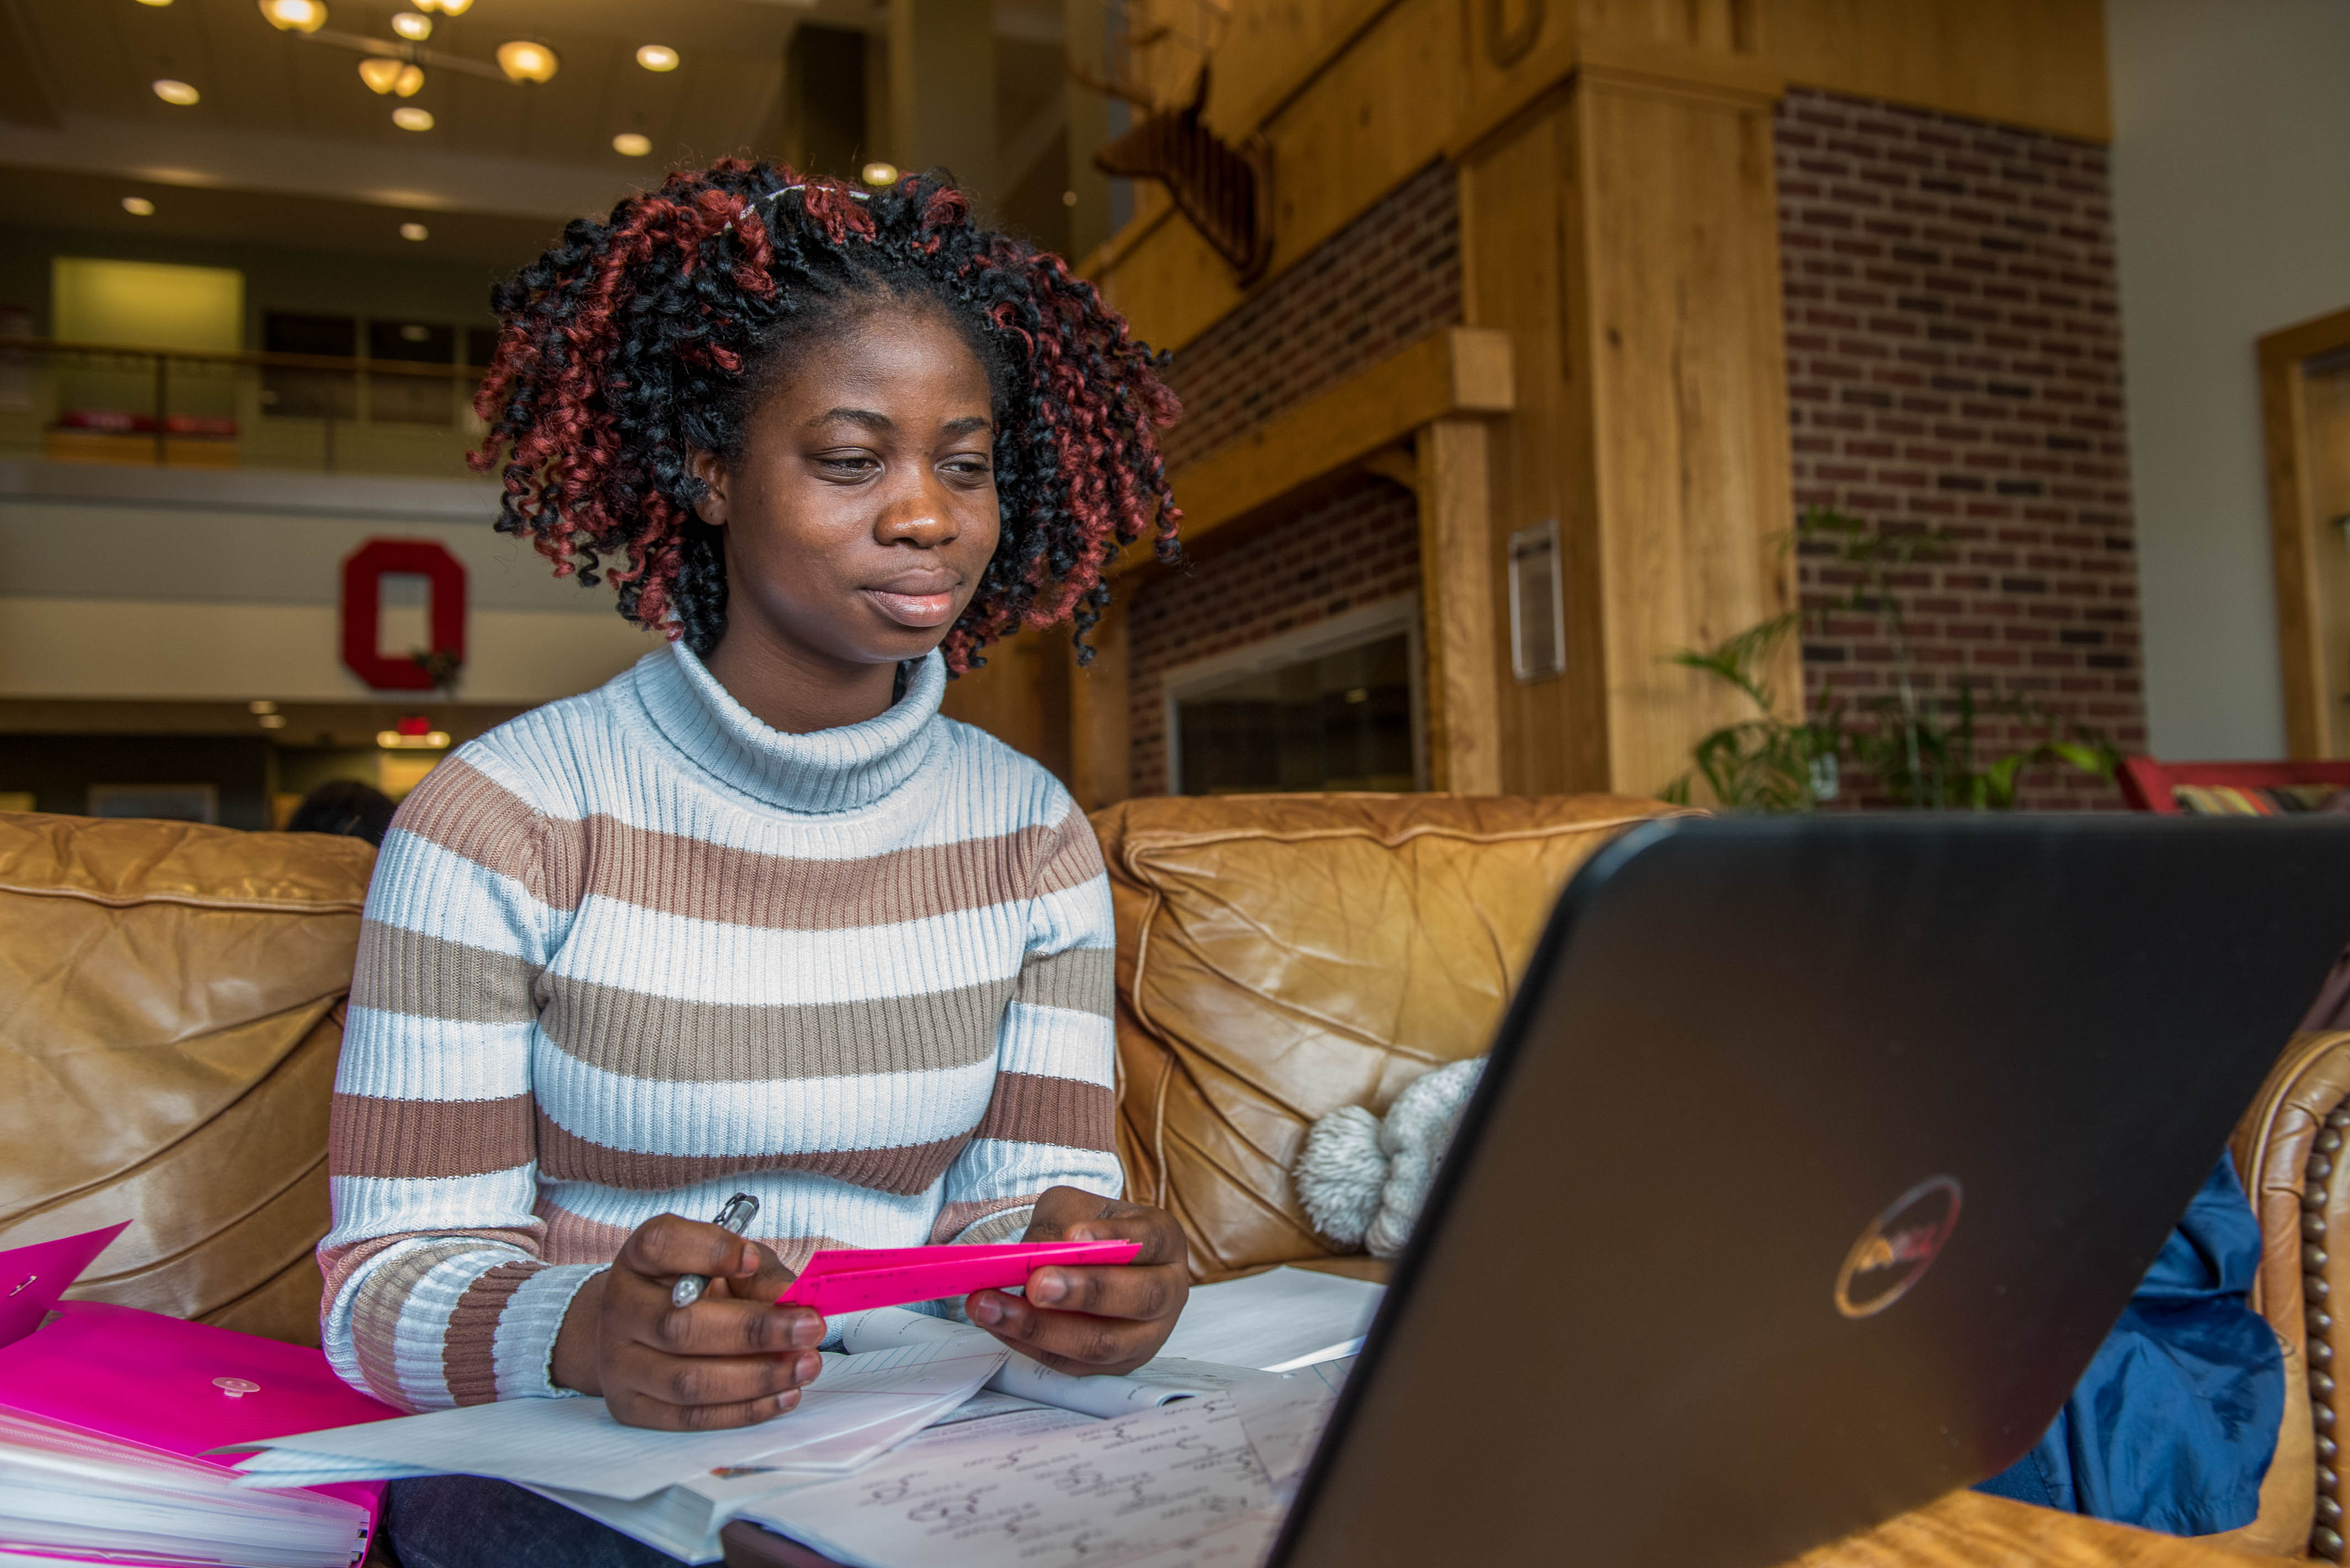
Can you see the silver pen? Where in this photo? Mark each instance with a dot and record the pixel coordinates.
(734, 1219)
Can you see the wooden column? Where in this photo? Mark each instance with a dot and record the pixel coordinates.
(1456, 596)
(1100, 766)
(1626, 230)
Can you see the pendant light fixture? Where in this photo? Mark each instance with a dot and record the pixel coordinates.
(295, 15)
(413, 26)
(446, 7)
(528, 61)
(383, 74)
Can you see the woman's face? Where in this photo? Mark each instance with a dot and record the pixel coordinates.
(862, 509)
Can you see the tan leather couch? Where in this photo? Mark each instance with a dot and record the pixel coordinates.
(170, 1006)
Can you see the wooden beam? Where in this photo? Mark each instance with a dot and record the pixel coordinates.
(1462, 370)
(2301, 626)
(1456, 596)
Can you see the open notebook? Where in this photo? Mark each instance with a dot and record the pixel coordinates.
(106, 1415)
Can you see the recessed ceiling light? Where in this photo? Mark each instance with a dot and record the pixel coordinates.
(139, 206)
(657, 57)
(628, 144)
(878, 176)
(446, 7)
(273, 721)
(415, 232)
(154, 2)
(408, 116)
(527, 60)
(176, 92)
(295, 15)
(413, 26)
(259, 706)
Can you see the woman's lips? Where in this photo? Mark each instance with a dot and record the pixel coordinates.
(918, 610)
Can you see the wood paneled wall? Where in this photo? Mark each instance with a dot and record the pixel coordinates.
(1619, 227)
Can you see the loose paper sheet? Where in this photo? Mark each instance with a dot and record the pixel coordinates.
(1276, 1322)
(576, 1445)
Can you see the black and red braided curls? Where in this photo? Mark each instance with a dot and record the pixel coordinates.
(637, 342)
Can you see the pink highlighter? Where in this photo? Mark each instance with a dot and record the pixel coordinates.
(854, 1279)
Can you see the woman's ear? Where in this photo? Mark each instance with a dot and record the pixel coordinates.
(709, 468)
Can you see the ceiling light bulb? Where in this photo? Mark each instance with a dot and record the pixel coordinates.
(139, 206)
(410, 80)
(380, 73)
(410, 117)
(628, 144)
(446, 7)
(176, 92)
(295, 15)
(259, 706)
(415, 232)
(878, 176)
(657, 57)
(413, 26)
(526, 60)
(154, 2)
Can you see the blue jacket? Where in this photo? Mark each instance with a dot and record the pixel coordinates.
(2173, 1425)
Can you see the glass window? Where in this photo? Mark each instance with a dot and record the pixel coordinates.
(1340, 719)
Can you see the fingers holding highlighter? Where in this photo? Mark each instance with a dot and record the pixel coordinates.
(664, 1351)
(1086, 1321)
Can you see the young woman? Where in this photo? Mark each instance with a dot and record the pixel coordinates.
(752, 915)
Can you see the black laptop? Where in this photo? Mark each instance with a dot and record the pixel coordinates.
(1827, 1151)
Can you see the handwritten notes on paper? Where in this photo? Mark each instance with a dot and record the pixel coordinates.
(1177, 1486)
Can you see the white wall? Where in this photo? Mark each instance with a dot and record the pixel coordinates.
(140, 583)
(2231, 188)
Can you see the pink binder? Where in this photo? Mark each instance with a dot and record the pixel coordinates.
(165, 1383)
(853, 1280)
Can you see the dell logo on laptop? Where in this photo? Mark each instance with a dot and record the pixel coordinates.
(1898, 1248)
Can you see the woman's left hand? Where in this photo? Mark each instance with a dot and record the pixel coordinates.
(1088, 1321)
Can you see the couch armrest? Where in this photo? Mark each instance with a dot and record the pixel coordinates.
(2290, 1150)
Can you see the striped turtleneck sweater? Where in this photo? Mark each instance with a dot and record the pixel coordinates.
(635, 951)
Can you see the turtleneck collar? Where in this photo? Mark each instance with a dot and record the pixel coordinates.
(824, 771)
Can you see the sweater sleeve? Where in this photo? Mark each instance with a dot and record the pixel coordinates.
(1050, 1121)
(436, 1290)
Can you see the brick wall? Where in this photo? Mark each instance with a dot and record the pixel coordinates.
(1356, 548)
(1382, 282)
(1954, 361)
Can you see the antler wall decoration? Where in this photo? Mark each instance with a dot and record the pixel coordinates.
(1225, 192)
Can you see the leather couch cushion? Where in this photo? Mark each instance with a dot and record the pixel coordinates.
(1280, 955)
(172, 1011)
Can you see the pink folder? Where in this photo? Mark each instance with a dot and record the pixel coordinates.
(853, 1280)
(33, 1279)
(163, 1383)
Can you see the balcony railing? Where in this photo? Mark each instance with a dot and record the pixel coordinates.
(91, 402)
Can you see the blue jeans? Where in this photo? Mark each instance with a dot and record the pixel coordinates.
(465, 1522)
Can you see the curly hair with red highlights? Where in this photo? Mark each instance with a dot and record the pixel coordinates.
(638, 342)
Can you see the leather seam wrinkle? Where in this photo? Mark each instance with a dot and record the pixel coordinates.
(1248, 1194)
(8, 1222)
(1141, 845)
(291, 1264)
(192, 902)
(158, 1264)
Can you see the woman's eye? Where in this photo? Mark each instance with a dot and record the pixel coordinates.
(846, 462)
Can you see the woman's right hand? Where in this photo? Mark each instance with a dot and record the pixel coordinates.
(732, 1359)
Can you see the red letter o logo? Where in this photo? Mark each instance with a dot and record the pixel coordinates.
(363, 609)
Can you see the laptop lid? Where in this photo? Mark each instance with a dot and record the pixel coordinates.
(1814, 1161)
